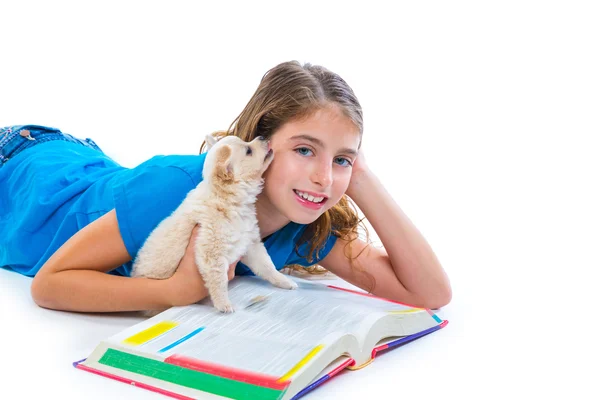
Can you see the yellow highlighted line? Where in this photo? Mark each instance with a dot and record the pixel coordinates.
(302, 362)
(150, 333)
(409, 311)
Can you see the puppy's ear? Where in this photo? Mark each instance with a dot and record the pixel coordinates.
(224, 168)
(210, 141)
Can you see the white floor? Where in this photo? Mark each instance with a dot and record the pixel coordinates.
(481, 119)
(485, 351)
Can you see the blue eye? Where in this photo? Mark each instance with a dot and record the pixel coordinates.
(248, 151)
(348, 163)
(305, 151)
(300, 151)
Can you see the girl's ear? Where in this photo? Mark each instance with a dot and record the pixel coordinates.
(210, 141)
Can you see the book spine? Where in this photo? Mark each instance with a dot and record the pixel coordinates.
(324, 378)
(406, 339)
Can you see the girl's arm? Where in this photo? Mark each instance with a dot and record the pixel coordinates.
(407, 270)
(75, 278)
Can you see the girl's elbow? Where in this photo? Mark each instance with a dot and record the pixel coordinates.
(40, 291)
(441, 299)
(442, 296)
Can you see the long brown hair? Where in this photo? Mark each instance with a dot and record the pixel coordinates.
(292, 91)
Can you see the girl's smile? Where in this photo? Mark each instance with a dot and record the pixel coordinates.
(311, 200)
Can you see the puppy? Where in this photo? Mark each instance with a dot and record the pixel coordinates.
(224, 206)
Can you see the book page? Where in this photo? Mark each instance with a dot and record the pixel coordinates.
(271, 330)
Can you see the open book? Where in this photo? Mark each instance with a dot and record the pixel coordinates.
(278, 344)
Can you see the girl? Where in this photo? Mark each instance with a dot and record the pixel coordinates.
(74, 219)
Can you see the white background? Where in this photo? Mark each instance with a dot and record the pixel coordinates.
(481, 119)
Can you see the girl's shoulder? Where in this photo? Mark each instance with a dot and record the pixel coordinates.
(191, 165)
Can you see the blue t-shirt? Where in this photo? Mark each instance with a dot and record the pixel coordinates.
(54, 189)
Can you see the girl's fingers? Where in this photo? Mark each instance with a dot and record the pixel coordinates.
(231, 272)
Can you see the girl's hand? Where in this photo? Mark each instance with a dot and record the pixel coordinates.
(360, 171)
(186, 286)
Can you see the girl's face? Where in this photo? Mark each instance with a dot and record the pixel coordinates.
(312, 166)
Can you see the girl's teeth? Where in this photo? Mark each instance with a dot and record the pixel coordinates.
(309, 197)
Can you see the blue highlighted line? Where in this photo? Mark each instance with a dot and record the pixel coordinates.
(183, 339)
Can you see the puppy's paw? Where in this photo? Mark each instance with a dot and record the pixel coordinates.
(224, 307)
(221, 302)
(283, 282)
(293, 285)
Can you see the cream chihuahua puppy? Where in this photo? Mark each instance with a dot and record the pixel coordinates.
(224, 206)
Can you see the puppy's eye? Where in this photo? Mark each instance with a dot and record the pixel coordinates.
(248, 151)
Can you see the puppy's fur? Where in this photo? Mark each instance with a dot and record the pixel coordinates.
(224, 206)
